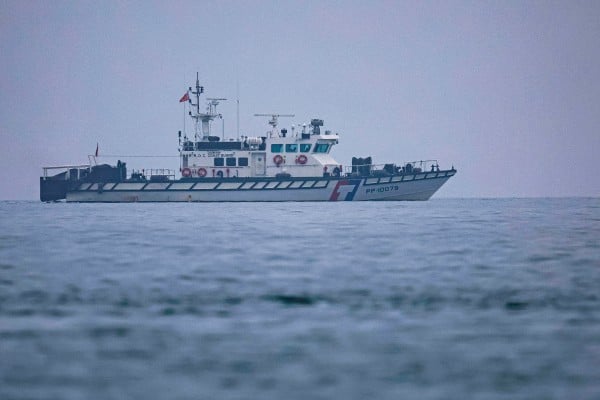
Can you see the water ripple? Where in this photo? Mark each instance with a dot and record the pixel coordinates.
(472, 298)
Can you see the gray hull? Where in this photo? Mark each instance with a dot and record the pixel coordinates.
(419, 186)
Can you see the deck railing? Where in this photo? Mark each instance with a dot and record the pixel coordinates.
(68, 169)
(148, 173)
(391, 168)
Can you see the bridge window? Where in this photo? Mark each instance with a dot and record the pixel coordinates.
(276, 148)
(321, 148)
(219, 161)
(305, 147)
(291, 148)
(230, 161)
(243, 161)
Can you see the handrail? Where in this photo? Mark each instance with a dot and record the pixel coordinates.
(418, 166)
(154, 172)
(67, 167)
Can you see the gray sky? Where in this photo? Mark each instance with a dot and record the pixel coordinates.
(508, 92)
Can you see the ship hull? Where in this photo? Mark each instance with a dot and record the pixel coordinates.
(420, 186)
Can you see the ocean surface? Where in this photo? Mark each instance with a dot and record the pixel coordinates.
(445, 299)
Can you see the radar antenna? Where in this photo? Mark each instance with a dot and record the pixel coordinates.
(213, 103)
(274, 119)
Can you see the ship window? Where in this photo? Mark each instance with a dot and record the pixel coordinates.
(305, 147)
(219, 161)
(243, 161)
(291, 148)
(230, 161)
(276, 148)
(321, 148)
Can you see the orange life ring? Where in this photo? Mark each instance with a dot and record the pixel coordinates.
(186, 172)
(201, 172)
(278, 160)
(302, 159)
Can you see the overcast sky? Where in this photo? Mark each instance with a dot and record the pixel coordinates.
(506, 91)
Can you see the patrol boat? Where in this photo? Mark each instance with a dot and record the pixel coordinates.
(281, 165)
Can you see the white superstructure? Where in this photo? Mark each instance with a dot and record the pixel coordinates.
(300, 153)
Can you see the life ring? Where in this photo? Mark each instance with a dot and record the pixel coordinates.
(278, 160)
(201, 172)
(302, 159)
(186, 172)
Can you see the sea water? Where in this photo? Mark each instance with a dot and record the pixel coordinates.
(444, 299)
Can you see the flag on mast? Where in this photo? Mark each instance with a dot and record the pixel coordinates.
(185, 97)
(96, 154)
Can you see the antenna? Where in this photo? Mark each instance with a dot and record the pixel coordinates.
(274, 118)
(198, 92)
(273, 121)
(238, 109)
(213, 103)
(197, 116)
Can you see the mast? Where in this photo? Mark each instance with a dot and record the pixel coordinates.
(196, 115)
(202, 120)
(199, 89)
